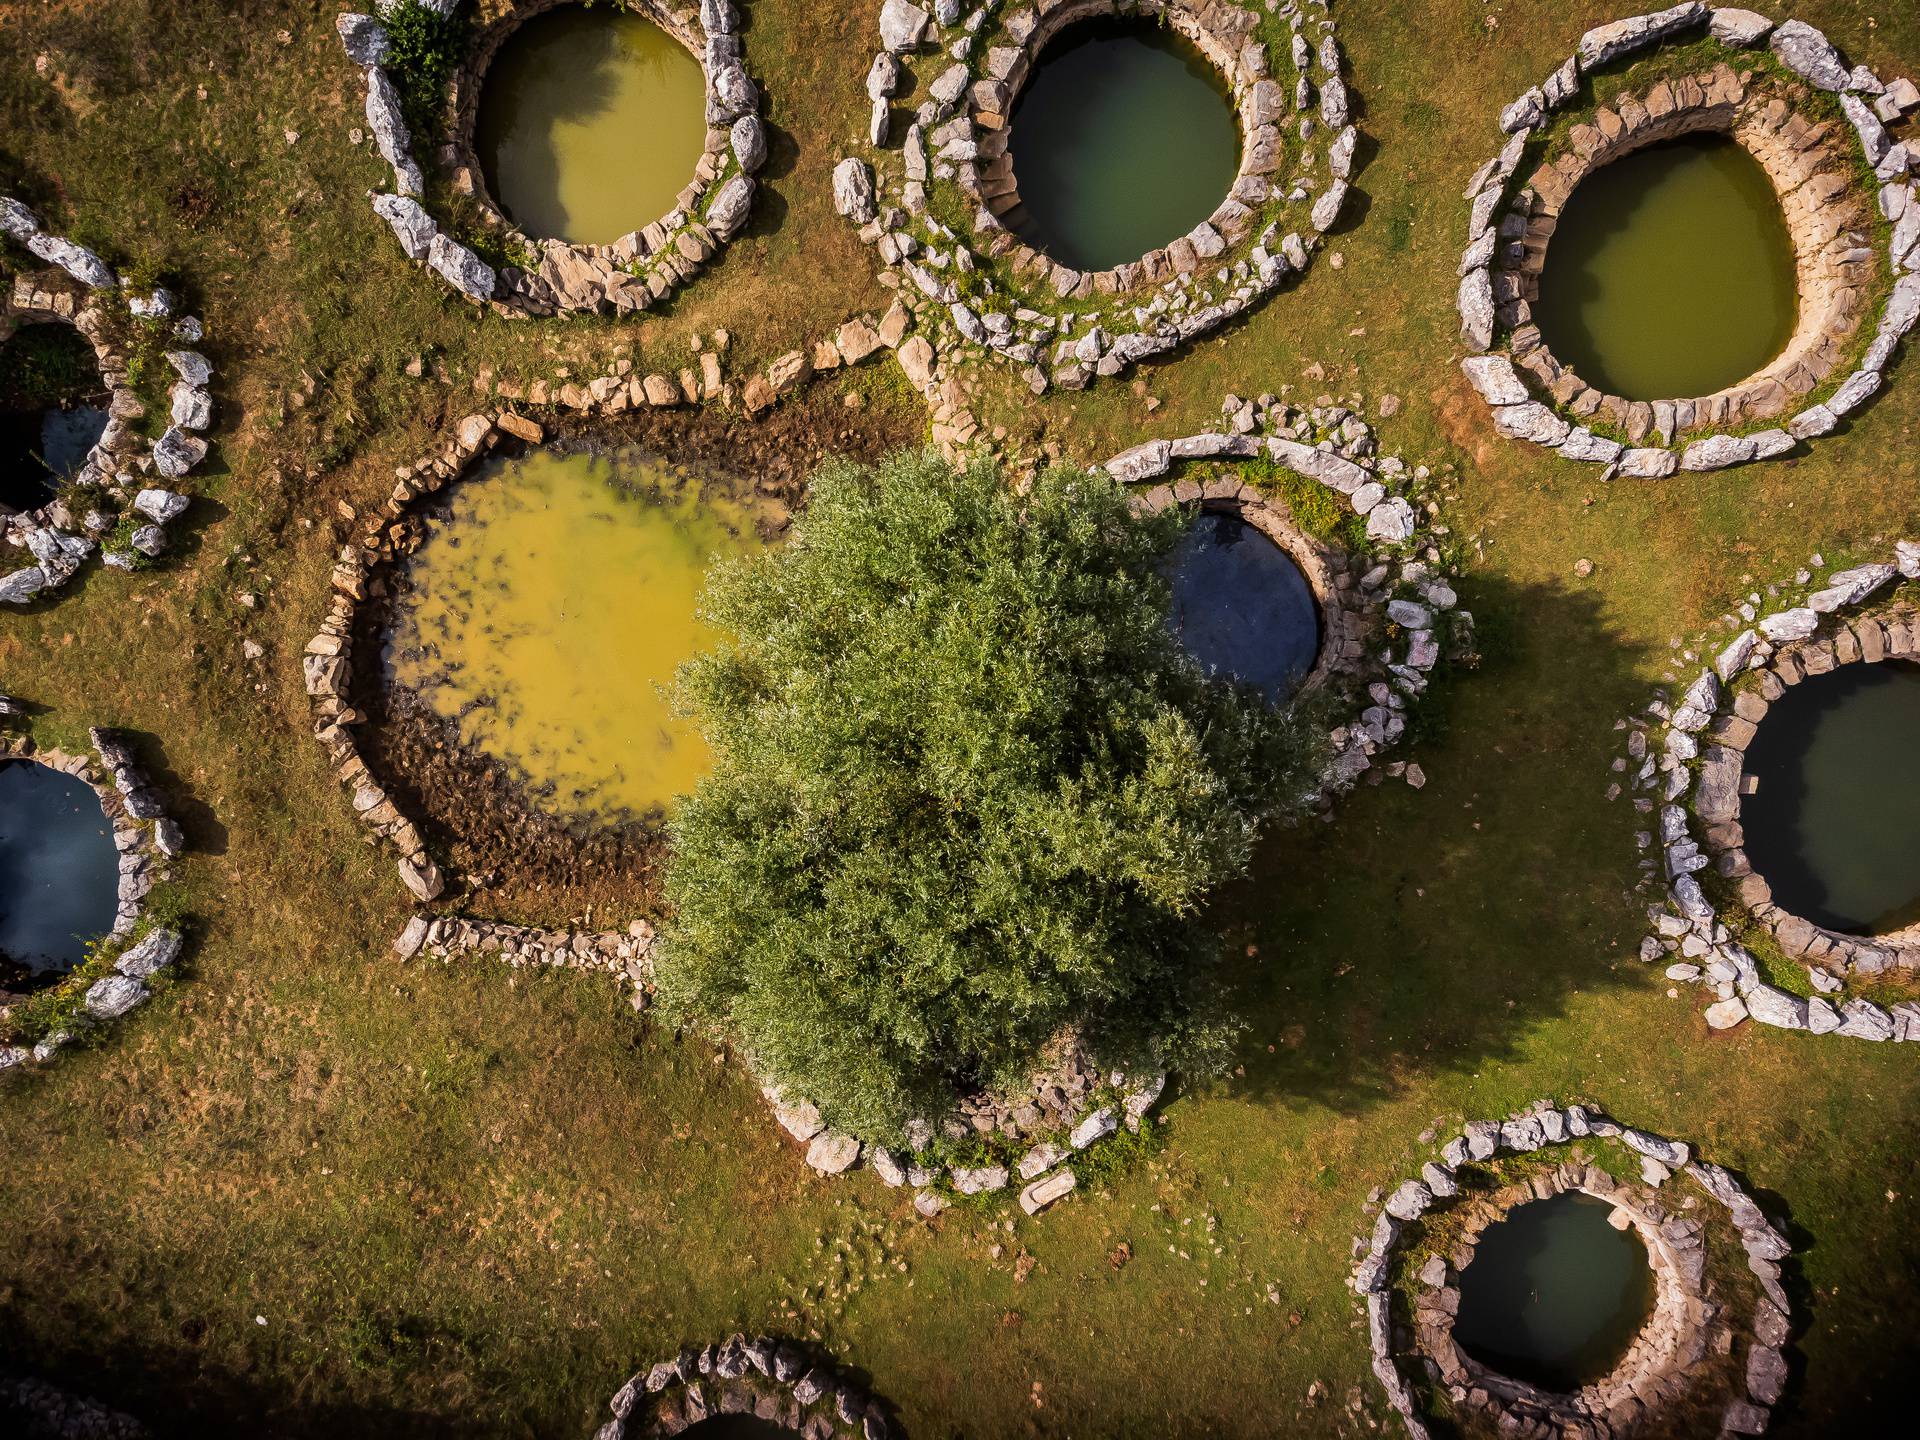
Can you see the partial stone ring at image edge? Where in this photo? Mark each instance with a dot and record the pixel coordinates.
(1827, 215)
(1689, 1326)
(147, 841)
(636, 272)
(773, 1380)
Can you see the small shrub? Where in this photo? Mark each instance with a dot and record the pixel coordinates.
(427, 49)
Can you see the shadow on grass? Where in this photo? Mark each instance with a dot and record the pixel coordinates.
(205, 832)
(1421, 931)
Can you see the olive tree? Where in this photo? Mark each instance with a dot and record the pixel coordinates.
(969, 793)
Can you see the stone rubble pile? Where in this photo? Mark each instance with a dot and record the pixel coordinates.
(1812, 166)
(1688, 758)
(771, 1379)
(1692, 1324)
(121, 466)
(991, 294)
(625, 954)
(634, 273)
(1067, 1107)
(1404, 603)
(147, 841)
(51, 1413)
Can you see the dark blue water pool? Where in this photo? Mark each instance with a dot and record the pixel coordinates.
(1241, 606)
(59, 872)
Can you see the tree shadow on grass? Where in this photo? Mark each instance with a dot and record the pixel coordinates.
(1425, 931)
(204, 830)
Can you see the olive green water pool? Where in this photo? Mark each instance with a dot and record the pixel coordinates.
(1671, 272)
(1554, 1294)
(1832, 823)
(548, 611)
(591, 121)
(1122, 141)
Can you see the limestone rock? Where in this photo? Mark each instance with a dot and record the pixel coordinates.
(1725, 1014)
(1804, 50)
(176, 452)
(730, 207)
(389, 128)
(1740, 28)
(1606, 43)
(832, 1154)
(1717, 452)
(114, 996)
(364, 38)
(1042, 1193)
(410, 222)
(461, 268)
(17, 222)
(1787, 626)
(1531, 421)
(748, 137)
(159, 949)
(902, 26)
(1391, 521)
(191, 408)
(1410, 1201)
(1097, 1126)
(979, 1180)
(20, 586)
(160, 506)
(1775, 1007)
(853, 190)
(1766, 1374)
(78, 261)
(1476, 309)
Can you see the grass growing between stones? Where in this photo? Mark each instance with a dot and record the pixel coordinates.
(468, 1201)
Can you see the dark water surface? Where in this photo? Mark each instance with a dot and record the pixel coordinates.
(1554, 1294)
(1242, 607)
(1122, 140)
(59, 872)
(1670, 274)
(1835, 823)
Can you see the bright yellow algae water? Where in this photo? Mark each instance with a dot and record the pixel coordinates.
(547, 614)
(591, 122)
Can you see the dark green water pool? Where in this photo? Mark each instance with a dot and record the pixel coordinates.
(1832, 824)
(52, 412)
(1122, 140)
(59, 872)
(1671, 273)
(1241, 606)
(1554, 1294)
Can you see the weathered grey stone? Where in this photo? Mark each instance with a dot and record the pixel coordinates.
(1410, 1201)
(1672, 1153)
(734, 94)
(1582, 444)
(853, 190)
(1738, 27)
(1733, 660)
(978, 1180)
(1482, 1137)
(1786, 626)
(1142, 462)
(461, 268)
(191, 407)
(902, 26)
(1044, 1192)
(1697, 705)
(159, 949)
(1326, 210)
(1391, 521)
(1717, 452)
(364, 38)
(389, 128)
(17, 222)
(1097, 1126)
(1850, 587)
(1775, 1007)
(748, 137)
(176, 452)
(730, 206)
(832, 1153)
(160, 505)
(1476, 309)
(78, 261)
(1531, 421)
(1648, 463)
(1806, 51)
(1725, 1014)
(1606, 43)
(114, 996)
(1863, 1020)
(410, 222)
(1496, 379)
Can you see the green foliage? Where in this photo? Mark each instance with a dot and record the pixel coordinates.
(427, 49)
(968, 793)
(45, 365)
(1314, 507)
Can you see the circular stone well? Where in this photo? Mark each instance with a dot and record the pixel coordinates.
(590, 122)
(1122, 139)
(1555, 1293)
(59, 873)
(1691, 312)
(1244, 604)
(1808, 798)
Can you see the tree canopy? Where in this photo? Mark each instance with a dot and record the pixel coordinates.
(969, 793)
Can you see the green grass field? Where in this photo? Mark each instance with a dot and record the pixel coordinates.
(311, 1192)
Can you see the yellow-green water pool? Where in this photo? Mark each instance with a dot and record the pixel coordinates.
(590, 123)
(546, 614)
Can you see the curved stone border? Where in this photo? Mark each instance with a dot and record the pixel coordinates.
(773, 1379)
(147, 840)
(121, 463)
(1691, 756)
(1689, 1325)
(637, 271)
(1507, 245)
(56, 1414)
(1406, 587)
(1060, 326)
(327, 662)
